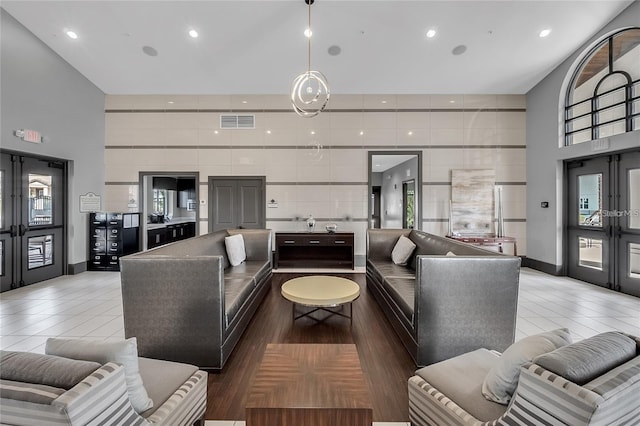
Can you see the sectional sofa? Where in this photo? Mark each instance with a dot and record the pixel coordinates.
(45, 390)
(595, 381)
(184, 301)
(450, 298)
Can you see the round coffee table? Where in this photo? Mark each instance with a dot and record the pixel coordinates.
(321, 292)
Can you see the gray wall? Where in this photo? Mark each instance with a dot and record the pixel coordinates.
(41, 91)
(545, 153)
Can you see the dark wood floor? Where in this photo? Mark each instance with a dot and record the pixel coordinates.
(385, 362)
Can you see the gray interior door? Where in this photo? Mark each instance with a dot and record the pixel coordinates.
(237, 202)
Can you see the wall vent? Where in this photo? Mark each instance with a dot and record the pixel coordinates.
(247, 121)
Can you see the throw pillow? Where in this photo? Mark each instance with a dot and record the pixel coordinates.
(501, 381)
(43, 369)
(587, 359)
(402, 250)
(235, 249)
(123, 352)
(450, 254)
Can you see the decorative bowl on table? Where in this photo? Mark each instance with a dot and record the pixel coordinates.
(332, 227)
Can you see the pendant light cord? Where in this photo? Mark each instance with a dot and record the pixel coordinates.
(309, 45)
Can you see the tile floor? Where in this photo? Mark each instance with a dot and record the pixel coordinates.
(90, 305)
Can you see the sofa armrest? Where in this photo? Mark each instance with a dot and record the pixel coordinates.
(465, 303)
(101, 398)
(257, 243)
(380, 242)
(186, 405)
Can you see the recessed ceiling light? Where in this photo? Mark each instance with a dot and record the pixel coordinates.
(459, 50)
(410, 133)
(148, 50)
(244, 102)
(361, 132)
(545, 32)
(383, 101)
(308, 33)
(313, 132)
(71, 34)
(268, 132)
(215, 132)
(431, 33)
(334, 50)
(452, 101)
(193, 33)
(170, 102)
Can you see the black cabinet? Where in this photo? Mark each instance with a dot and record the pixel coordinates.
(111, 236)
(170, 233)
(156, 237)
(314, 249)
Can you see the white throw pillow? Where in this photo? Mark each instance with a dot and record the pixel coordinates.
(123, 352)
(501, 381)
(402, 250)
(235, 249)
(450, 254)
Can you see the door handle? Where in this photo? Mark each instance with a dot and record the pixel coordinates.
(23, 230)
(13, 231)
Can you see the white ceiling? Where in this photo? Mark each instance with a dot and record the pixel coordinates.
(258, 47)
(382, 163)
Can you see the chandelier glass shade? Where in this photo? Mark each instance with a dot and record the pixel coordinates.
(309, 91)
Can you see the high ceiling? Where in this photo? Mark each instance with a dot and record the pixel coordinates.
(258, 47)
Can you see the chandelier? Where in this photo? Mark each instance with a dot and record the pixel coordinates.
(310, 90)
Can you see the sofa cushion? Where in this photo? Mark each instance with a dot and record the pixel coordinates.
(502, 380)
(403, 293)
(162, 379)
(460, 379)
(46, 370)
(123, 352)
(29, 392)
(235, 249)
(236, 292)
(258, 269)
(380, 269)
(402, 251)
(587, 359)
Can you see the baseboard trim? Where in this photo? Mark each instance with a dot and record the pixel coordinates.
(77, 268)
(538, 265)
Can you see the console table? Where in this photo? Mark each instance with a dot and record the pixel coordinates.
(314, 249)
(487, 240)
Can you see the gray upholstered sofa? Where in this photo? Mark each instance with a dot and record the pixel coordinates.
(442, 306)
(184, 302)
(595, 381)
(43, 390)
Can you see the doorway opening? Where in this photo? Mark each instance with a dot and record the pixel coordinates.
(395, 189)
(169, 207)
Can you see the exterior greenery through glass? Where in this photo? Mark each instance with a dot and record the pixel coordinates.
(603, 98)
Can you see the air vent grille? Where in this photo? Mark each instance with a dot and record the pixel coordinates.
(228, 121)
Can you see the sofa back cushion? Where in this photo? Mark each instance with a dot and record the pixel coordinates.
(587, 359)
(48, 370)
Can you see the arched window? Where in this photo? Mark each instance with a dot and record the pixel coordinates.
(603, 98)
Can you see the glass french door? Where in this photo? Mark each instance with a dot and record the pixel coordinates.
(603, 224)
(32, 204)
